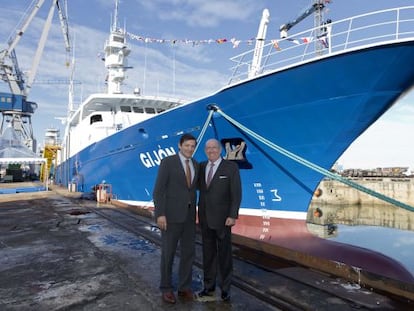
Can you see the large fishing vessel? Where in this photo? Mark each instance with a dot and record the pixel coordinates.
(283, 126)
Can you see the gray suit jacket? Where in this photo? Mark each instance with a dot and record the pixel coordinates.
(172, 197)
(222, 198)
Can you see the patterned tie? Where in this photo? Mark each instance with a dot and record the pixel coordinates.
(188, 172)
(210, 174)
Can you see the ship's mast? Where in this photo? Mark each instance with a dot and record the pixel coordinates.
(115, 21)
(116, 54)
(260, 40)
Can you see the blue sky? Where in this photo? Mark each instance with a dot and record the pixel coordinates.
(199, 70)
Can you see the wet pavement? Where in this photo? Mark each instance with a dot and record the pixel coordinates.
(57, 254)
(54, 256)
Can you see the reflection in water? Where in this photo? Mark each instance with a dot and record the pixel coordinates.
(385, 215)
(395, 243)
(383, 228)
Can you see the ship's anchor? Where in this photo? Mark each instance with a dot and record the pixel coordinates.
(234, 147)
(234, 152)
(294, 157)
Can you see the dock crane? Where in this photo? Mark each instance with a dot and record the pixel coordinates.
(16, 110)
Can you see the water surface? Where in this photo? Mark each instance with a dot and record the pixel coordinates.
(395, 243)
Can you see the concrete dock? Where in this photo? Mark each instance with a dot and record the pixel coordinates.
(55, 255)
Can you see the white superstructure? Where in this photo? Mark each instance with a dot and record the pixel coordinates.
(102, 115)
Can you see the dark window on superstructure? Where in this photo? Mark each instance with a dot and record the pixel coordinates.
(118, 39)
(96, 118)
(150, 110)
(138, 109)
(160, 110)
(126, 108)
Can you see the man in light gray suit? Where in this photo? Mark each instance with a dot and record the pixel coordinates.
(175, 209)
(218, 209)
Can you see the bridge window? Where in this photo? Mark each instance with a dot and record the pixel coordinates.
(118, 38)
(138, 109)
(96, 118)
(126, 108)
(150, 110)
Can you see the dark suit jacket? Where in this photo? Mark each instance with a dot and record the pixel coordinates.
(172, 197)
(222, 198)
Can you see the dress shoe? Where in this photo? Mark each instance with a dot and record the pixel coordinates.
(186, 294)
(206, 293)
(225, 296)
(169, 297)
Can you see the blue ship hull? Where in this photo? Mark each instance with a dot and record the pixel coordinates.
(316, 119)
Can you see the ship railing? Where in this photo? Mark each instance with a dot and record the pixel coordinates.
(335, 37)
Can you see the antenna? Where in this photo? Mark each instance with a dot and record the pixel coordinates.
(115, 22)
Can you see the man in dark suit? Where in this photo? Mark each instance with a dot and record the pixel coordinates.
(218, 209)
(175, 209)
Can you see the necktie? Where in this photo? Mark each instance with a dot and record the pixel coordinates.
(188, 172)
(210, 174)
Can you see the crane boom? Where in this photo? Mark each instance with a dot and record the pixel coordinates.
(317, 6)
(40, 47)
(11, 73)
(14, 41)
(64, 24)
(16, 110)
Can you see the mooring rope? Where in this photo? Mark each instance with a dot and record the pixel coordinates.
(312, 165)
(203, 130)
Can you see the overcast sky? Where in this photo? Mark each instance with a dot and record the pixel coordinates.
(183, 70)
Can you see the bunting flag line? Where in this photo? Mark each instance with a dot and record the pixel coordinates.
(235, 43)
(276, 45)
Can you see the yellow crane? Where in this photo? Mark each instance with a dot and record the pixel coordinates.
(50, 150)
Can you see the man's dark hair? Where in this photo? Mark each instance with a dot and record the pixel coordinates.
(186, 137)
